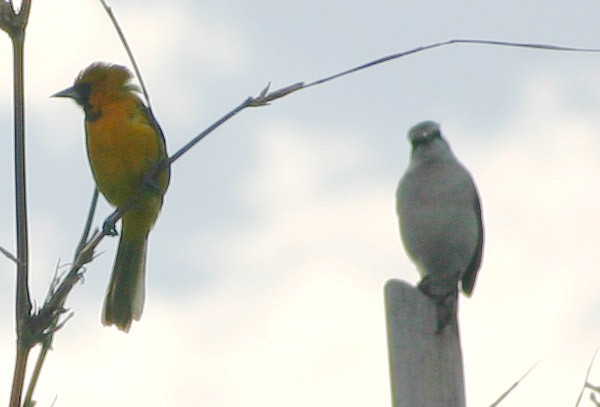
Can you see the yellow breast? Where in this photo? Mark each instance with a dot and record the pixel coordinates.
(122, 147)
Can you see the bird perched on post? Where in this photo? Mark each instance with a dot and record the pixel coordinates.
(440, 220)
(124, 143)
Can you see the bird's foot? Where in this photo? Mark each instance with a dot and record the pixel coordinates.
(108, 227)
(431, 288)
(439, 290)
(445, 313)
(444, 296)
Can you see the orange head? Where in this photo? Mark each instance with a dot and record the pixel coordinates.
(98, 85)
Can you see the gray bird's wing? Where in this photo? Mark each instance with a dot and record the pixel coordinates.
(470, 274)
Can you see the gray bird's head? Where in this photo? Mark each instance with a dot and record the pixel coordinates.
(427, 142)
(424, 133)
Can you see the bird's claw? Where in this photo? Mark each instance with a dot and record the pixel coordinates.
(108, 227)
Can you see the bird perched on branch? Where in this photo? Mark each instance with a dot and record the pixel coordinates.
(124, 144)
(440, 220)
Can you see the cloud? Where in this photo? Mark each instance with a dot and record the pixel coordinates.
(537, 176)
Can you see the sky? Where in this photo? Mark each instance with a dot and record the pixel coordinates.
(267, 266)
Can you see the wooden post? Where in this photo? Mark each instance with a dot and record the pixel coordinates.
(425, 367)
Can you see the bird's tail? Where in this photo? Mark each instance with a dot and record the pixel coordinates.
(125, 297)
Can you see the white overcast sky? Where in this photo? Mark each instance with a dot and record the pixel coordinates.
(266, 268)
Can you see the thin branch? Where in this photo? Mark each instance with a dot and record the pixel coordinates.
(9, 255)
(19, 375)
(59, 290)
(246, 103)
(265, 97)
(587, 376)
(23, 297)
(14, 23)
(37, 370)
(511, 388)
(391, 57)
(88, 223)
(138, 73)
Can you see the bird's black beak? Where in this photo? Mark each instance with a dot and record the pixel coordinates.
(67, 93)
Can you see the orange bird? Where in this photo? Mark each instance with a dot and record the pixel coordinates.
(124, 142)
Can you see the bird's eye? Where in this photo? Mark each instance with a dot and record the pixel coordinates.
(420, 139)
(83, 92)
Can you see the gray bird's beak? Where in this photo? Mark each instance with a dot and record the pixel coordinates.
(66, 93)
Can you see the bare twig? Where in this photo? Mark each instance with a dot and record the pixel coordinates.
(511, 388)
(9, 255)
(37, 370)
(246, 103)
(61, 286)
(586, 381)
(14, 23)
(391, 57)
(88, 223)
(23, 297)
(265, 97)
(113, 19)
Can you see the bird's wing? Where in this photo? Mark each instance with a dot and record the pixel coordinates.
(470, 274)
(151, 119)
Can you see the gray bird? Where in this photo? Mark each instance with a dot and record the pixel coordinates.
(440, 220)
